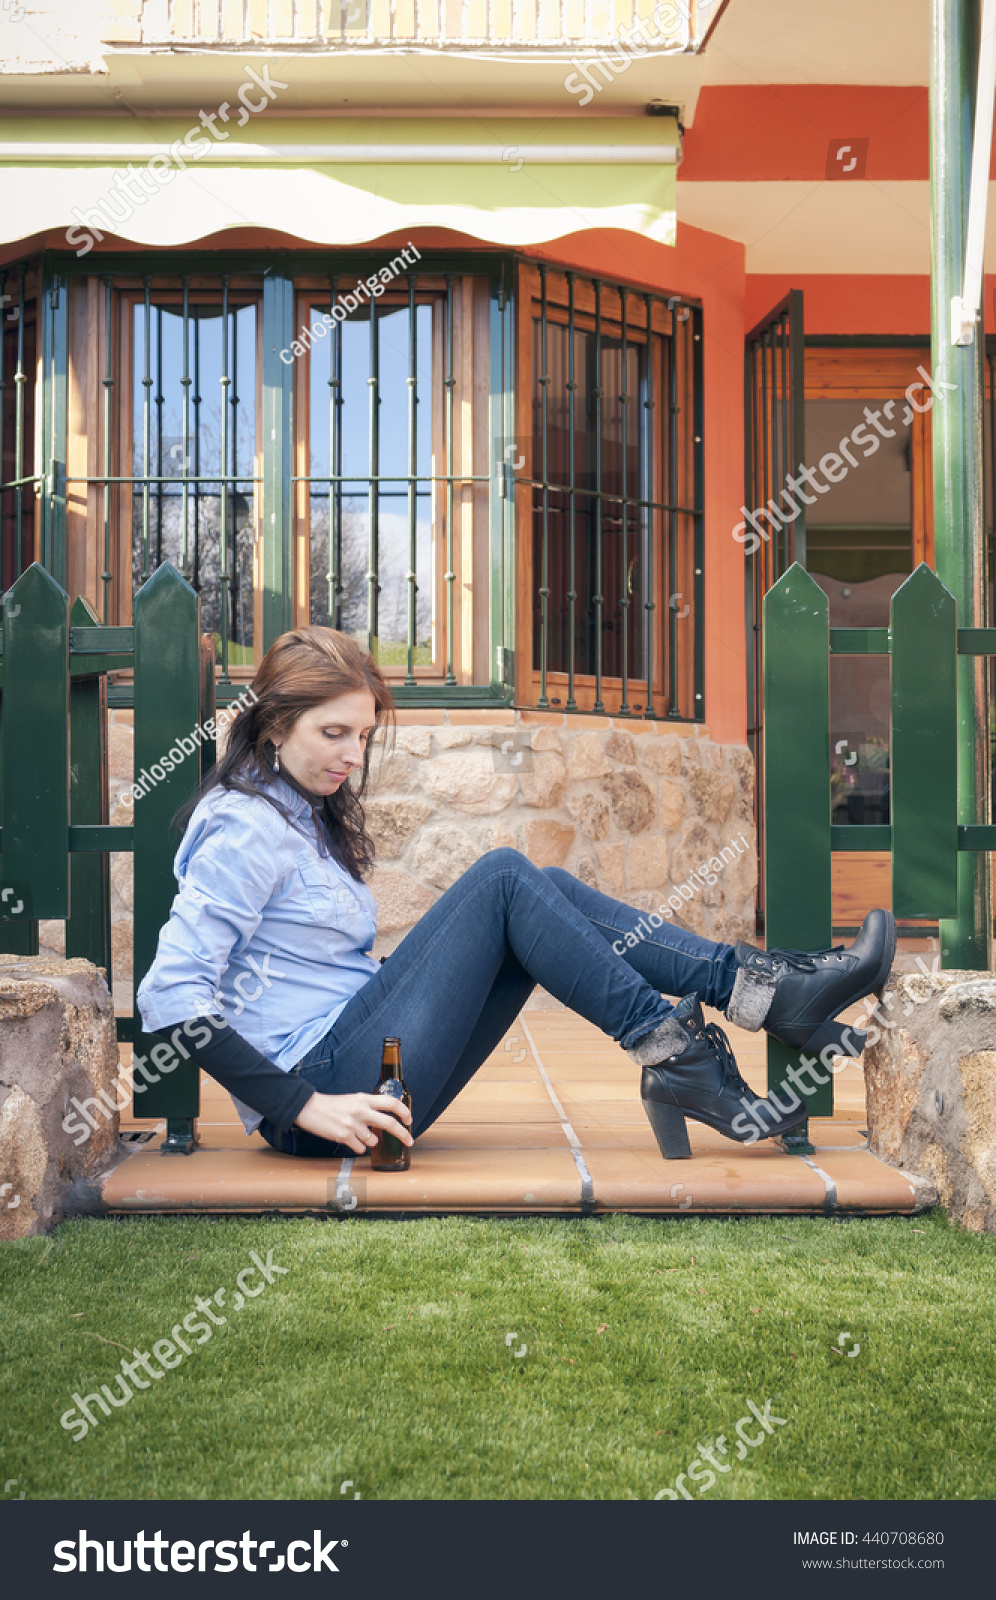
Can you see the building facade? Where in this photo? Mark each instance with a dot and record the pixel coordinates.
(528, 341)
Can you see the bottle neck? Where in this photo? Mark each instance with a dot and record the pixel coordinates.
(390, 1066)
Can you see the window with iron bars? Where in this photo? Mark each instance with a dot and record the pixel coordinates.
(485, 446)
(612, 457)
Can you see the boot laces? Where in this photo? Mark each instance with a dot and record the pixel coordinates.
(804, 960)
(728, 1061)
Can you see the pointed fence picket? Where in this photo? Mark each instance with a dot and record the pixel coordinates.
(56, 837)
(924, 836)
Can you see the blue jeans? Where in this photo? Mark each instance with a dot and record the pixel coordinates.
(456, 983)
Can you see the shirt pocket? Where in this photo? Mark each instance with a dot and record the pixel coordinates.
(333, 904)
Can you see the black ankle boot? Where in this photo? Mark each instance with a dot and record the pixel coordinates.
(795, 994)
(702, 1081)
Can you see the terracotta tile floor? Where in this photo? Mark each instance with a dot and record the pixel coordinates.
(551, 1124)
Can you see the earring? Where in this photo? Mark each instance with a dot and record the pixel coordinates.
(276, 758)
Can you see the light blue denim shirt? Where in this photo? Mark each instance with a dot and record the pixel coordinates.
(264, 927)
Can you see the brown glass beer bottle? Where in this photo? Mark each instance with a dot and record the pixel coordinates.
(389, 1154)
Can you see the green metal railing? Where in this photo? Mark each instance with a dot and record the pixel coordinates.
(924, 837)
(56, 837)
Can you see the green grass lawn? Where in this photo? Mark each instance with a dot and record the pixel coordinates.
(382, 1356)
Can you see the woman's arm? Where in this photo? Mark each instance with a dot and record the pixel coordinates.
(284, 1098)
(241, 1069)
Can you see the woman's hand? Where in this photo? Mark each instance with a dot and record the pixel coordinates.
(352, 1119)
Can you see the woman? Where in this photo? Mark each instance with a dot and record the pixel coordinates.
(265, 960)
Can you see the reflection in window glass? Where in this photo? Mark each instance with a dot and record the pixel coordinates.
(859, 548)
(158, 516)
(362, 522)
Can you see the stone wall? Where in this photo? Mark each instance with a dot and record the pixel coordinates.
(57, 1044)
(632, 808)
(930, 1083)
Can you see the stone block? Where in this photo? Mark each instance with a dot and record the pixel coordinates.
(661, 755)
(729, 927)
(122, 950)
(58, 1066)
(547, 843)
(630, 798)
(468, 781)
(546, 739)
(646, 862)
(671, 805)
(930, 1081)
(713, 793)
(451, 738)
(442, 855)
(586, 757)
(611, 864)
(389, 770)
(546, 784)
(590, 813)
(500, 839)
(416, 741)
(123, 880)
(400, 898)
(393, 823)
(696, 847)
(587, 872)
(120, 752)
(619, 745)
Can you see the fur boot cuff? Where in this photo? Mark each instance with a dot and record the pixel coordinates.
(751, 999)
(668, 1039)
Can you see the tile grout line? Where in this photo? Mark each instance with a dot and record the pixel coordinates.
(830, 1197)
(587, 1184)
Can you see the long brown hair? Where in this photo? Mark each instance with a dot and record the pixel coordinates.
(302, 669)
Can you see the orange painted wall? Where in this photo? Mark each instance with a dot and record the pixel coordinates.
(837, 303)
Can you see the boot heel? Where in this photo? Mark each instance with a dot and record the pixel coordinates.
(848, 1040)
(668, 1123)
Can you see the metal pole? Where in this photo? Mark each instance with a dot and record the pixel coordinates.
(966, 940)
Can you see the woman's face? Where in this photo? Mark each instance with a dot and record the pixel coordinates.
(326, 743)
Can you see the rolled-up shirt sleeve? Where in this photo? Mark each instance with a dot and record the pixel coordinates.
(228, 866)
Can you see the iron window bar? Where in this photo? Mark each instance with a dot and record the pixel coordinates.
(449, 575)
(411, 576)
(597, 596)
(18, 380)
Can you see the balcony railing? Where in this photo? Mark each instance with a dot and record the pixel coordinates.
(533, 25)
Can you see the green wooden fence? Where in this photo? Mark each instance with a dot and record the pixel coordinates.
(925, 835)
(56, 839)
(56, 836)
